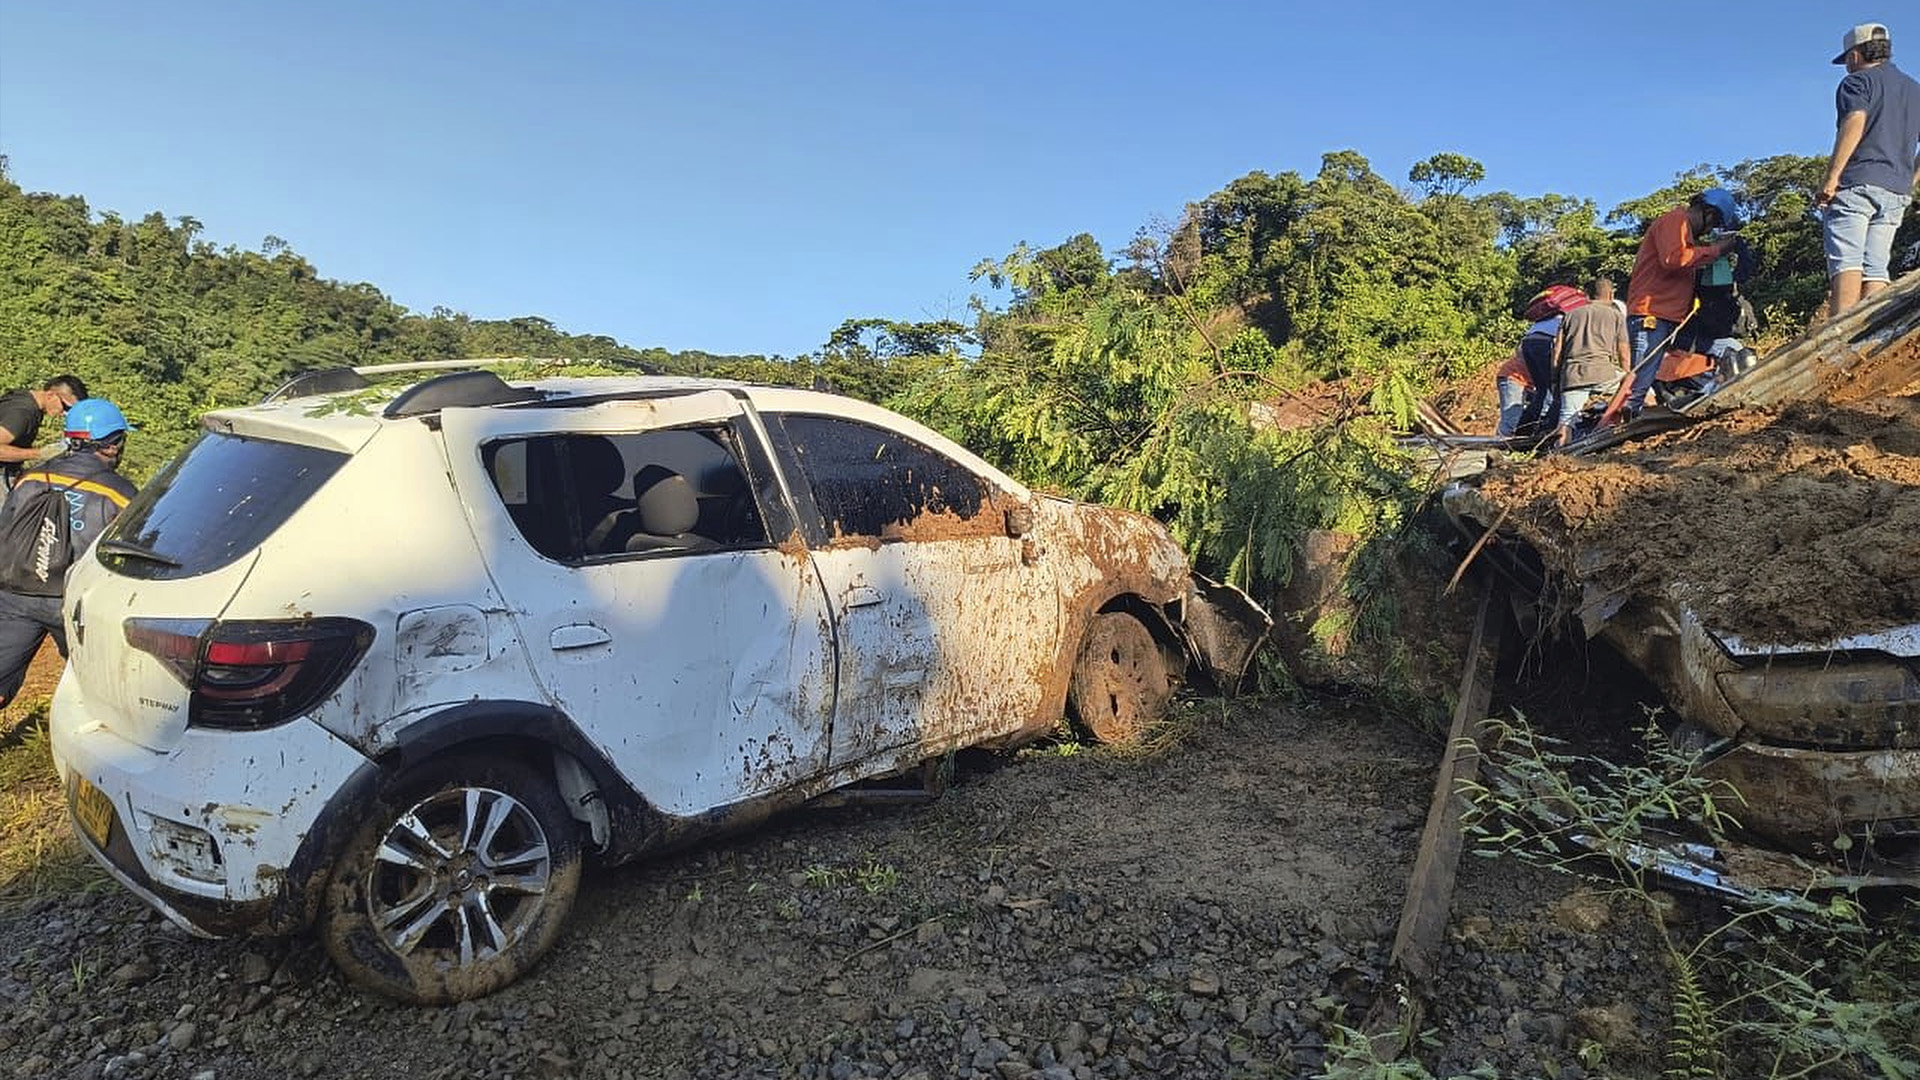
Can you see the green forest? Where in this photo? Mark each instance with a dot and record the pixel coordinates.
(1130, 377)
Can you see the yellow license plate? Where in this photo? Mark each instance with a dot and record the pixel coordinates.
(93, 810)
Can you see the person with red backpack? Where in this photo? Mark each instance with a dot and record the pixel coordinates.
(50, 518)
(1543, 314)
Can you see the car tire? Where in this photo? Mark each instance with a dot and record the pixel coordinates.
(456, 882)
(1121, 680)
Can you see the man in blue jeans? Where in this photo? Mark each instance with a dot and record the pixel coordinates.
(1661, 288)
(1871, 175)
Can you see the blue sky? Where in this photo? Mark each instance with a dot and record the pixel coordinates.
(740, 177)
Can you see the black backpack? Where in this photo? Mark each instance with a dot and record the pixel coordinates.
(36, 538)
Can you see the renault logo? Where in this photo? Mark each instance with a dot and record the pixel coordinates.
(79, 625)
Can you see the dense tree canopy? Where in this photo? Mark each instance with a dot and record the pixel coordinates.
(1163, 379)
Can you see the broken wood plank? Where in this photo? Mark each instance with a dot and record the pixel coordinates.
(1423, 919)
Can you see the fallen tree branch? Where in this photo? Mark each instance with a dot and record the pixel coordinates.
(1461, 570)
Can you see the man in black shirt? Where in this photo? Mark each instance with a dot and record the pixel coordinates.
(20, 414)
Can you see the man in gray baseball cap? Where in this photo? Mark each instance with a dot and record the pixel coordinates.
(1871, 175)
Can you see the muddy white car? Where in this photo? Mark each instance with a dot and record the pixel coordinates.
(391, 666)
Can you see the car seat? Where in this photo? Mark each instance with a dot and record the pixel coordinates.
(597, 471)
(664, 514)
(728, 513)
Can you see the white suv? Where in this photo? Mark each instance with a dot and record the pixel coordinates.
(393, 664)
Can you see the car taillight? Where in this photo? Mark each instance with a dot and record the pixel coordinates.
(173, 642)
(252, 674)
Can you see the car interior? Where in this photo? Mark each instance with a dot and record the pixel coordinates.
(579, 497)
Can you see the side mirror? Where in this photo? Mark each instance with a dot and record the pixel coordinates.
(1019, 520)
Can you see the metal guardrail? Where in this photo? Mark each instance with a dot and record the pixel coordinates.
(1872, 349)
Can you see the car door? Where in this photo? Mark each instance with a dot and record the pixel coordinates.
(698, 657)
(946, 629)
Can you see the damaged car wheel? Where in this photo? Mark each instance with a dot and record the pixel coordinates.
(1121, 681)
(456, 884)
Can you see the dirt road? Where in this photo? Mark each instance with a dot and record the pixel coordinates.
(1206, 911)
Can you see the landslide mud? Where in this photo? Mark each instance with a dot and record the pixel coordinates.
(1790, 525)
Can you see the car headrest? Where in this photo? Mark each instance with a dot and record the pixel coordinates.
(596, 464)
(666, 505)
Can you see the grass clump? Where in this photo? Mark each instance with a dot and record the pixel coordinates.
(38, 853)
(1773, 984)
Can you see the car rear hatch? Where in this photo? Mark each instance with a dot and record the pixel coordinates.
(140, 608)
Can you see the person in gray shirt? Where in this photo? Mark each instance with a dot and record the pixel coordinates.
(1870, 177)
(1590, 353)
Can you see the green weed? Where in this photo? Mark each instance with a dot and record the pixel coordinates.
(1779, 985)
(38, 853)
(876, 878)
(823, 877)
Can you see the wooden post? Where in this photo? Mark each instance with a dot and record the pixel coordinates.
(1396, 1015)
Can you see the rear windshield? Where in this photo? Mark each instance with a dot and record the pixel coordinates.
(213, 504)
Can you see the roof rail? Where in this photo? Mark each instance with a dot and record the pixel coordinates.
(455, 365)
(457, 389)
(323, 381)
(333, 380)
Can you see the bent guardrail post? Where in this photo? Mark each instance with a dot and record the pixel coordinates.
(1872, 349)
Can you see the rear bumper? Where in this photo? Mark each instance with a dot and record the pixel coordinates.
(1807, 798)
(196, 914)
(224, 833)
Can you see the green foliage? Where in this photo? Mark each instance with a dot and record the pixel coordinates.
(169, 327)
(1353, 1056)
(1782, 985)
(1447, 174)
(1693, 1045)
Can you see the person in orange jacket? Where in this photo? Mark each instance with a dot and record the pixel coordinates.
(1660, 290)
(1511, 382)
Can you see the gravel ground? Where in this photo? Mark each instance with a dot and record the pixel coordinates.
(1209, 910)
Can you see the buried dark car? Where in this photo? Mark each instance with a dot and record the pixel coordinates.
(1821, 738)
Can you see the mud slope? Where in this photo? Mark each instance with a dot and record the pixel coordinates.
(1786, 525)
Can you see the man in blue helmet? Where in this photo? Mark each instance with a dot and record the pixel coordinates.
(1660, 289)
(50, 518)
(1872, 170)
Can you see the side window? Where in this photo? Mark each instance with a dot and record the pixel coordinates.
(579, 497)
(870, 482)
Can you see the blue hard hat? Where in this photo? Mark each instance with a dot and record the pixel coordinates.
(1722, 201)
(95, 419)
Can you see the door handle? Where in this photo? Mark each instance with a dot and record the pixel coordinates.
(861, 596)
(577, 636)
